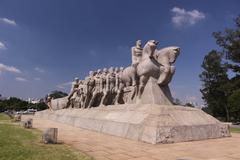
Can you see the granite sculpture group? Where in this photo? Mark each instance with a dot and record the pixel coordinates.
(125, 86)
(134, 102)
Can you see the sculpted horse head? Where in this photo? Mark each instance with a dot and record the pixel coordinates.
(149, 49)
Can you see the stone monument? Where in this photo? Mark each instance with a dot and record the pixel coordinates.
(135, 102)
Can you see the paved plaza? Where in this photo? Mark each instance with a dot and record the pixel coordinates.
(106, 147)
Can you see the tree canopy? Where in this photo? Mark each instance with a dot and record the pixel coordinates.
(221, 93)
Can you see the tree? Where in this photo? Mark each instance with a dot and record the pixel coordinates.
(214, 75)
(229, 41)
(224, 94)
(177, 101)
(57, 94)
(189, 105)
(234, 102)
(39, 106)
(13, 103)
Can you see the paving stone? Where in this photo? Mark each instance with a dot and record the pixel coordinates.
(106, 147)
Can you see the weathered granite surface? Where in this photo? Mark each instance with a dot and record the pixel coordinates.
(143, 122)
(138, 99)
(150, 73)
(58, 103)
(50, 135)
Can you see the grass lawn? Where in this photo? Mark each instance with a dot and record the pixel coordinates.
(235, 130)
(17, 143)
(3, 117)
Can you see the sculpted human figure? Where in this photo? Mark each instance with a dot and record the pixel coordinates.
(153, 64)
(103, 80)
(89, 85)
(49, 99)
(97, 89)
(73, 93)
(81, 93)
(103, 87)
(76, 101)
(116, 72)
(156, 64)
(109, 87)
(129, 74)
(119, 85)
(137, 53)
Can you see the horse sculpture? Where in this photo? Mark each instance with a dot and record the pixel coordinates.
(126, 85)
(155, 63)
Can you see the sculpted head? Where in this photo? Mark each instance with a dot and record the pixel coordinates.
(152, 44)
(91, 73)
(138, 43)
(150, 47)
(76, 79)
(116, 69)
(104, 69)
(99, 71)
(121, 69)
(111, 70)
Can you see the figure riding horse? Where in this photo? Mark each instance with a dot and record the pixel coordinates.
(155, 63)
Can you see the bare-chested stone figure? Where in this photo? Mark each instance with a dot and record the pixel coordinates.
(81, 95)
(137, 53)
(89, 85)
(49, 99)
(73, 93)
(119, 86)
(97, 89)
(103, 83)
(109, 87)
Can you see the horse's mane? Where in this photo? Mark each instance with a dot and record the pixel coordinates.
(164, 50)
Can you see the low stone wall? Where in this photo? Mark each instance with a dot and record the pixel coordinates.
(149, 123)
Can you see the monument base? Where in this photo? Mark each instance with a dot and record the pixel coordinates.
(146, 122)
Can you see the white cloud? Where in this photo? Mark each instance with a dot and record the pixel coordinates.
(8, 21)
(37, 79)
(5, 68)
(21, 79)
(39, 69)
(64, 85)
(183, 17)
(2, 45)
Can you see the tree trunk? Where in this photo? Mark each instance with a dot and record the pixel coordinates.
(227, 113)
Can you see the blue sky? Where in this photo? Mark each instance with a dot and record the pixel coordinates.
(45, 44)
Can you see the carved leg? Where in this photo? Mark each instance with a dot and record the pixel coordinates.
(134, 81)
(170, 75)
(92, 99)
(103, 100)
(86, 100)
(116, 102)
(165, 70)
(134, 92)
(143, 81)
(72, 103)
(82, 102)
(119, 94)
